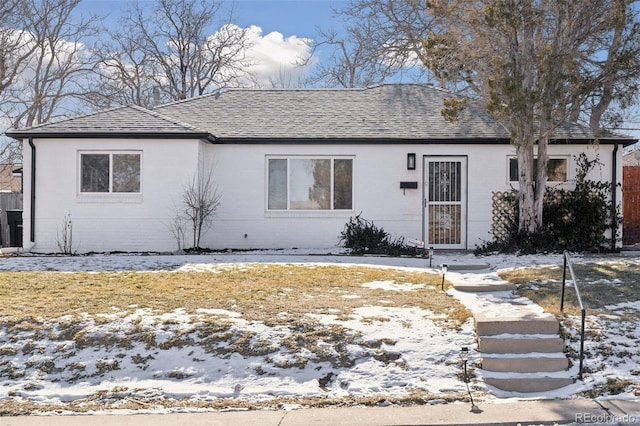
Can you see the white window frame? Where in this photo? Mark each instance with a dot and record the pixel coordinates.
(566, 158)
(109, 196)
(309, 212)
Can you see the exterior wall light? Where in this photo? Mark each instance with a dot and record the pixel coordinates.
(411, 161)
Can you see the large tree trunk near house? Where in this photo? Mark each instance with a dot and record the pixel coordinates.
(527, 210)
(541, 171)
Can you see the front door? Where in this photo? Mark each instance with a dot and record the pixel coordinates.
(445, 213)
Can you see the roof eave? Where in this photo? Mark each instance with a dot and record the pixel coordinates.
(586, 141)
(355, 141)
(111, 135)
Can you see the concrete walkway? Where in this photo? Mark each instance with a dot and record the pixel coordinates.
(520, 344)
(562, 412)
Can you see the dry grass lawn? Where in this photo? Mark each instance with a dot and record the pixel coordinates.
(54, 308)
(601, 285)
(258, 291)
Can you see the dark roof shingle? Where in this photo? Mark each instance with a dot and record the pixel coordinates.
(123, 120)
(384, 113)
(393, 111)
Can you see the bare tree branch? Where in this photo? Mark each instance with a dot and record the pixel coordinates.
(178, 47)
(57, 69)
(200, 201)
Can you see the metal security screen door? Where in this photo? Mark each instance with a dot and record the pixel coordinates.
(445, 201)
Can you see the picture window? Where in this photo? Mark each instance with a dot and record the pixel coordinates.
(110, 172)
(310, 183)
(556, 169)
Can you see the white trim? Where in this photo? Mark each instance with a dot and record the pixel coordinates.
(309, 213)
(110, 196)
(551, 157)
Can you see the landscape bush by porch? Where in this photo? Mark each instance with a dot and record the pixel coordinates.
(575, 219)
(363, 237)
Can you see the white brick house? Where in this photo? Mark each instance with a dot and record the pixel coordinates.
(292, 166)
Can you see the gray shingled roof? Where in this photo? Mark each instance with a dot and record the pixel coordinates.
(400, 112)
(116, 121)
(567, 131)
(393, 111)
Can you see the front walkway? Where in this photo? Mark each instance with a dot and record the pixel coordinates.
(519, 345)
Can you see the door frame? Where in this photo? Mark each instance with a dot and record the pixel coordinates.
(464, 200)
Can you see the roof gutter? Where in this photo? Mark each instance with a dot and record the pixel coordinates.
(32, 214)
(17, 134)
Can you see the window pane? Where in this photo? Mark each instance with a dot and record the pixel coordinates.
(445, 224)
(94, 173)
(342, 184)
(277, 197)
(557, 170)
(126, 172)
(445, 182)
(513, 169)
(310, 184)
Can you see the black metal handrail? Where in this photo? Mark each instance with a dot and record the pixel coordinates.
(583, 312)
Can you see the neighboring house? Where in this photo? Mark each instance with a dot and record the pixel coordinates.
(292, 166)
(631, 198)
(10, 178)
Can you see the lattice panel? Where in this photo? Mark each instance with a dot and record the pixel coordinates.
(502, 211)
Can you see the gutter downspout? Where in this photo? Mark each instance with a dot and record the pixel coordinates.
(32, 220)
(614, 196)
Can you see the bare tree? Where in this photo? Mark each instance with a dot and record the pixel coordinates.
(15, 50)
(188, 56)
(44, 65)
(390, 35)
(58, 70)
(287, 78)
(125, 72)
(65, 236)
(14, 46)
(354, 60)
(615, 72)
(200, 203)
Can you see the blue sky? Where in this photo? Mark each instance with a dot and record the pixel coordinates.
(289, 17)
(300, 18)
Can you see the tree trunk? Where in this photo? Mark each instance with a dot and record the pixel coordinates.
(526, 194)
(541, 175)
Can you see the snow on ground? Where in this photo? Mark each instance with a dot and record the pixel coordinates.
(421, 356)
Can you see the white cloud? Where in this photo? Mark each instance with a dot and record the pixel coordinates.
(276, 59)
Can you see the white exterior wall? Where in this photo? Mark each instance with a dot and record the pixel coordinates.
(240, 171)
(243, 221)
(106, 222)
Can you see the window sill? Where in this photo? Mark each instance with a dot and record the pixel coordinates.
(309, 214)
(109, 198)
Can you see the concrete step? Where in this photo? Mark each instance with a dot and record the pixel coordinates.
(525, 363)
(528, 323)
(461, 267)
(484, 287)
(529, 385)
(520, 343)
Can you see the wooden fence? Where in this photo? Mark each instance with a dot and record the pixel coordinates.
(631, 204)
(9, 201)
